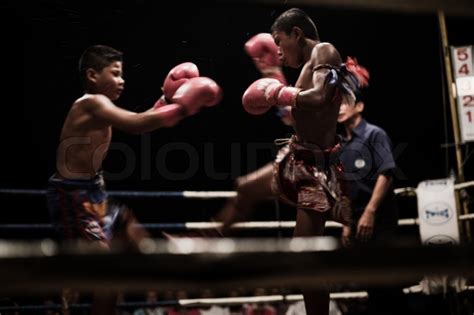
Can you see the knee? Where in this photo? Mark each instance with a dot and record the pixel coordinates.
(242, 186)
(245, 195)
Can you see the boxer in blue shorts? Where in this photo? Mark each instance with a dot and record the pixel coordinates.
(77, 200)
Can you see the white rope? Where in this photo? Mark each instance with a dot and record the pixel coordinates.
(250, 225)
(137, 194)
(289, 297)
(265, 225)
(466, 217)
(415, 221)
(408, 191)
(463, 185)
(404, 222)
(232, 300)
(253, 225)
(202, 225)
(209, 194)
(267, 298)
(411, 191)
(333, 224)
(418, 289)
(348, 295)
(291, 224)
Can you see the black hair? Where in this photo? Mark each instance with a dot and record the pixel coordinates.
(295, 17)
(360, 95)
(97, 57)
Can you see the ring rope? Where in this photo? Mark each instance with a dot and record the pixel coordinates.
(411, 191)
(250, 225)
(136, 194)
(192, 194)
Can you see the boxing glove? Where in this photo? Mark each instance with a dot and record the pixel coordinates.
(264, 93)
(264, 53)
(197, 93)
(177, 76)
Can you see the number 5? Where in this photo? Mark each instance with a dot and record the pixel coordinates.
(462, 54)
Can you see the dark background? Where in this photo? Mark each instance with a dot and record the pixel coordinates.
(405, 97)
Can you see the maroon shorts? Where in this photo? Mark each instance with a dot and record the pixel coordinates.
(310, 178)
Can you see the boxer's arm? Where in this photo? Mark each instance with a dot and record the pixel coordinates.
(322, 92)
(188, 99)
(104, 110)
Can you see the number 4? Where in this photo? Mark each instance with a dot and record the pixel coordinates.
(464, 69)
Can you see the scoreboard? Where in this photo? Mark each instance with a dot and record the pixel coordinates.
(464, 79)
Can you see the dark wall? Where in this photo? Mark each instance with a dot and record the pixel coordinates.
(405, 97)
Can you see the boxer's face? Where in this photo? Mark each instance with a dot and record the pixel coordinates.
(109, 80)
(287, 49)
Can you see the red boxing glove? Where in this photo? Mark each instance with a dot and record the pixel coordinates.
(178, 76)
(263, 47)
(261, 95)
(264, 53)
(197, 93)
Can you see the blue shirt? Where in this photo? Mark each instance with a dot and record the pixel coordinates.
(365, 156)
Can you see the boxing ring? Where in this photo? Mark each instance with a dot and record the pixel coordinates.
(221, 263)
(35, 267)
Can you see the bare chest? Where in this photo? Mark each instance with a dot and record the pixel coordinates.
(305, 80)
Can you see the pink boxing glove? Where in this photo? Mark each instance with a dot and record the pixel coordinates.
(177, 76)
(264, 53)
(197, 93)
(263, 47)
(264, 93)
